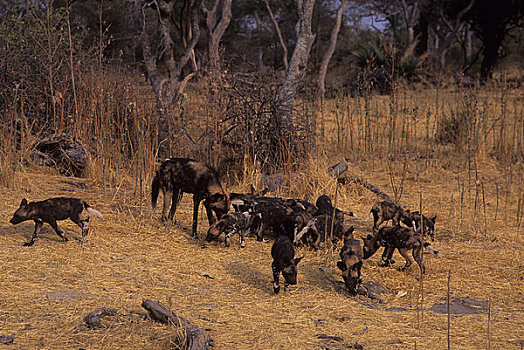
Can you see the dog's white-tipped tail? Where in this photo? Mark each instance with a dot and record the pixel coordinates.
(432, 250)
(95, 212)
(302, 232)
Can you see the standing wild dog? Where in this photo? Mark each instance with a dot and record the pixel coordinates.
(351, 261)
(178, 175)
(384, 211)
(50, 211)
(412, 219)
(284, 260)
(403, 239)
(230, 224)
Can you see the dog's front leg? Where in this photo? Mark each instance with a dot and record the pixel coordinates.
(387, 256)
(38, 226)
(276, 274)
(242, 234)
(196, 204)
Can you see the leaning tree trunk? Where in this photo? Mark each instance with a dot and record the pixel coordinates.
(279, 34)
(331, 48)
(282, 140)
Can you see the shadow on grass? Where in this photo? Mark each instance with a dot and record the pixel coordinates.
(249, 275)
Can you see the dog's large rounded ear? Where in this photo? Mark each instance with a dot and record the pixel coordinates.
(433, 219)
(24, 203)
(341, 265)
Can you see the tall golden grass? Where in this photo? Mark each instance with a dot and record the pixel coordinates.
(400, 142)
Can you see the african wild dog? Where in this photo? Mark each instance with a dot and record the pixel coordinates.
(243, 202)
(412, 219)
(270, 213)
(351, 261)
(51, 210)
(284, 260)
(325, 207)
(230, 224)
(403, 239)
(384, 211)
(300, 206)
(178, 175)
(318, 228)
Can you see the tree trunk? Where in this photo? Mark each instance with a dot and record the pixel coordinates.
(283, 138)
(466, 45)
(217, 21)
(163, 70)
(492, 42)
(411, 13)
(331, 48)
(260, 60)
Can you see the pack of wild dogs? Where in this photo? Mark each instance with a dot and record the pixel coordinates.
(291, 222)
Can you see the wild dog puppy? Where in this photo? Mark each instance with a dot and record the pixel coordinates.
(413, 218)
(52, 210)
(401, 238)
(318, 228)
(300, 206)
(230, 224)
(178, 175)
(270, 212)
(384, 211)
(303, 211)
(351, 261)
(284, 260)
(243, 202)
(325, 207)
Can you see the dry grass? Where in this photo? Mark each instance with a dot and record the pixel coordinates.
(47, 289)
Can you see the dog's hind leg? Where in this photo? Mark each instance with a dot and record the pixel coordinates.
(409, 261)
(38, 226)
(176, 196)
(58, 231)
(167, 198)
(83, 224)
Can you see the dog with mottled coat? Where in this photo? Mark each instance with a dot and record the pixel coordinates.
(176, 176)
(401, 238)
(230, 224)
(284, 261)
(351, 261)
(52, 210)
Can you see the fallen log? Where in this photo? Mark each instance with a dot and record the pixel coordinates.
(93, 318)
(364, 183)
(60, 151)
(195, 338)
